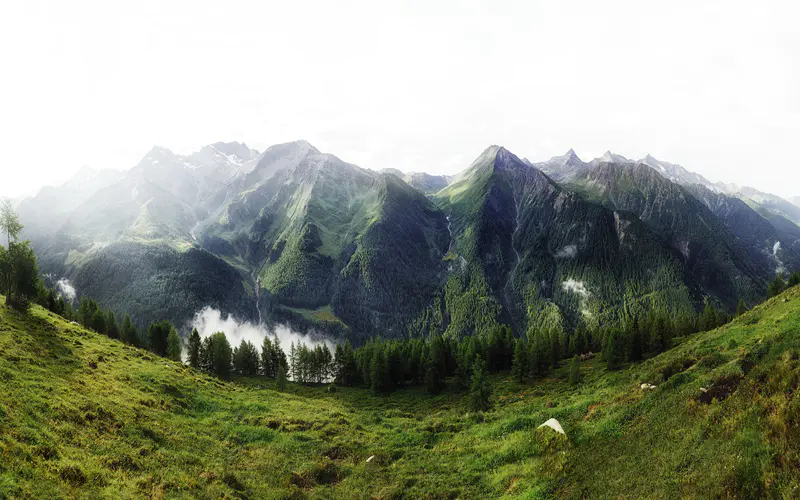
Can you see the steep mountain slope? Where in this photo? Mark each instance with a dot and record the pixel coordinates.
(564, 168)
(525, 249)
(771, 202)
(677, 173)
(427, 183)
(716, 260)
(52, 205)
(126, 242)
(609, 157)
(764, 239)
(85, 416)
(319, 231)
(759, 227)
(774, 205)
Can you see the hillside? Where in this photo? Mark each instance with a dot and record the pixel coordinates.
(84, 416)
(535, 255)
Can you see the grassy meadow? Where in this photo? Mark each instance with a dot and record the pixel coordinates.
(83, 416)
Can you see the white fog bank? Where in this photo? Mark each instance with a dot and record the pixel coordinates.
(66, 290)
(210, 320)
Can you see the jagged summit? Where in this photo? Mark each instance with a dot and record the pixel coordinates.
(508, 159)
(570, 158)
(159, 152)
(610, 157)
(233, 149)
(677, 173)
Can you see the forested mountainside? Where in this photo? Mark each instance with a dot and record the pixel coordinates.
(713, 256)
(528, 251)
(292, 234)
(319, 232)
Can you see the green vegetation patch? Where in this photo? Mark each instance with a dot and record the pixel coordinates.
(84, 416)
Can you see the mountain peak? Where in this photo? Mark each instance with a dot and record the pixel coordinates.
(85, 171)
(614, 158)
(158, 157)
(157, 151)
(567, 159)
(506, 158)
(235, 152)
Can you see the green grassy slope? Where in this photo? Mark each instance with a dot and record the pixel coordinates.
(84, 416)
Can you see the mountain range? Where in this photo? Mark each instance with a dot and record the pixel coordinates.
(295, 235)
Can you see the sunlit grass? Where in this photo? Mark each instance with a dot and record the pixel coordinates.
(85, 416)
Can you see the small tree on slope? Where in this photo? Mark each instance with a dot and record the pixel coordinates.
(479, 390)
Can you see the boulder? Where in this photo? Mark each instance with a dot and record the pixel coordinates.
(553, 424)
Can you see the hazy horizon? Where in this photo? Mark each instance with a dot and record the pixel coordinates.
(713, 87)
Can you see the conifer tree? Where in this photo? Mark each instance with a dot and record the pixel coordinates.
(278, 356)
(280, 378)
(157, 336)
(434, 381)
(245, 359)
(112, 327)
(776, 286)
(216, 355)
(741, 308)
(194, 348)
(479, 390)
(173, 345)
(267, 357)
(520, 365)
(293, 361)
(347, 371)
(379, 371)
(708, 320)
(574, 371)
(128, 332)
(614, 349)
(636, 341)
(99, 321)
(464, 358)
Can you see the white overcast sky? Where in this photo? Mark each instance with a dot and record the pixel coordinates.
(711, 85)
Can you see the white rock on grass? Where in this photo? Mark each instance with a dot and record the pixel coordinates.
(647, 386)
(553, 424)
